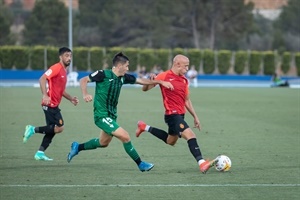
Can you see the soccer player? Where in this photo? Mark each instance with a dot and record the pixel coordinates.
(175, 102)
(56, 78)
(108, 87)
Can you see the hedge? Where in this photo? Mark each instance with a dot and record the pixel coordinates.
(195, 57)
(241, 58)
(147, 58)
(286, 62)
(269, 63)
(208, 61)
(94, 58)
(224, 57)
(297, 62)
(81, 58)
(97, 60)
(255, 62)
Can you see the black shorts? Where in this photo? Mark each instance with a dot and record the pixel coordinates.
(176, 124)
(53, 116)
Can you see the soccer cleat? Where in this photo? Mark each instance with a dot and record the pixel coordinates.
(204, 167)
(141, 126)
(41, 156)
(73, 152)
(144, 166)
(29, 131)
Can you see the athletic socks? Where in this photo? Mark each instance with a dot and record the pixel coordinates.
(160, 134)
(195, 149)
(44, 129)
(130, 150)
(92, 144)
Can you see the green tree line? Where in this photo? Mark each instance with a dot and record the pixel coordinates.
(201, 24)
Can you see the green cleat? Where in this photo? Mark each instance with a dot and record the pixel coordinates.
(40, 155)
(29, 131)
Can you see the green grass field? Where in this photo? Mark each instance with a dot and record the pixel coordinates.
(258, 128)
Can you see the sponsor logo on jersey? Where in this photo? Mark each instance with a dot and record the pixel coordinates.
(48, 72)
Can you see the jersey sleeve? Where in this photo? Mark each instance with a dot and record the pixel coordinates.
(97, 76)
(129, 79)
(52, 71)
(161, 76)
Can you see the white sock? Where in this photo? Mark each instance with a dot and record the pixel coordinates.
(147, 128)
(201, 161)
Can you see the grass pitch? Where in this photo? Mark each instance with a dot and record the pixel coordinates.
(258, 128)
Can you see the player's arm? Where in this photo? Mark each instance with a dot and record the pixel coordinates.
(151, 83)
(149, 87)
(190, 108)
(83, 86)
(74, 100)
(43, 85)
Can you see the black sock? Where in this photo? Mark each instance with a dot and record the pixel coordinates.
(44, 129)
(138, 161)
(195, 149)
(81, 147)
(46, 141)
(160, 134)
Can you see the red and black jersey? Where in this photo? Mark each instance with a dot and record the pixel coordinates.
(174, 100)
(57, 79)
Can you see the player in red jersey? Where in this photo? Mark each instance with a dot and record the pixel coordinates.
(56, 78)
(176, 102)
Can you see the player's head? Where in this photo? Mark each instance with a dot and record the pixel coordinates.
(63, 50)
(65, 55)
(180, 64)
(120, 64)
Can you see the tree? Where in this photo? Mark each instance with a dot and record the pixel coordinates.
(47, 24)
(6, 37)
(161, 23)
(120, 23)
(287, 27)
(209, 23)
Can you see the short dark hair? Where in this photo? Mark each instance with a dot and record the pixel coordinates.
(120, 58)
(63, 50)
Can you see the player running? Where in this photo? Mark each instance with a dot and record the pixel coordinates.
(175, 102)
(56, 78)
(108, 87)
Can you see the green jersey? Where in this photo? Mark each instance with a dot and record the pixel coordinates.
(107, 92)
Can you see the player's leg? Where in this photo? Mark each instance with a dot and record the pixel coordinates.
(195, 150)
(159, 133)
(55, 123)
(124, 137)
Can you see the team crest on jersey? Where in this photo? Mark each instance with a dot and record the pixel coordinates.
(60, 121)
(181, 126)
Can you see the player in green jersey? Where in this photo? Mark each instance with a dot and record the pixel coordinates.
(108, 87)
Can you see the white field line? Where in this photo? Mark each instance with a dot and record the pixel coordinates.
(157, 185)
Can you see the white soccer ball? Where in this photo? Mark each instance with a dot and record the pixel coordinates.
(223, 164)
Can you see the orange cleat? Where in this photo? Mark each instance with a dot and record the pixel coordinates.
(141, 126)
(204, 167)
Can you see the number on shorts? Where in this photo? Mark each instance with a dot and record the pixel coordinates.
(108, 121)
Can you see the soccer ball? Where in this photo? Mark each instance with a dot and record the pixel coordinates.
(223, 164)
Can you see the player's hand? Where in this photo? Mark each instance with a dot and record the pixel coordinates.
(87, 98)
(75, 101)
(197, 124)
(46, 100)
(167, 85)
(152, 76)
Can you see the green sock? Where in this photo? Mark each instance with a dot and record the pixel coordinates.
(130, 150)
(92, 144)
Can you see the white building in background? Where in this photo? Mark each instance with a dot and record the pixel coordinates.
(270, 9)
